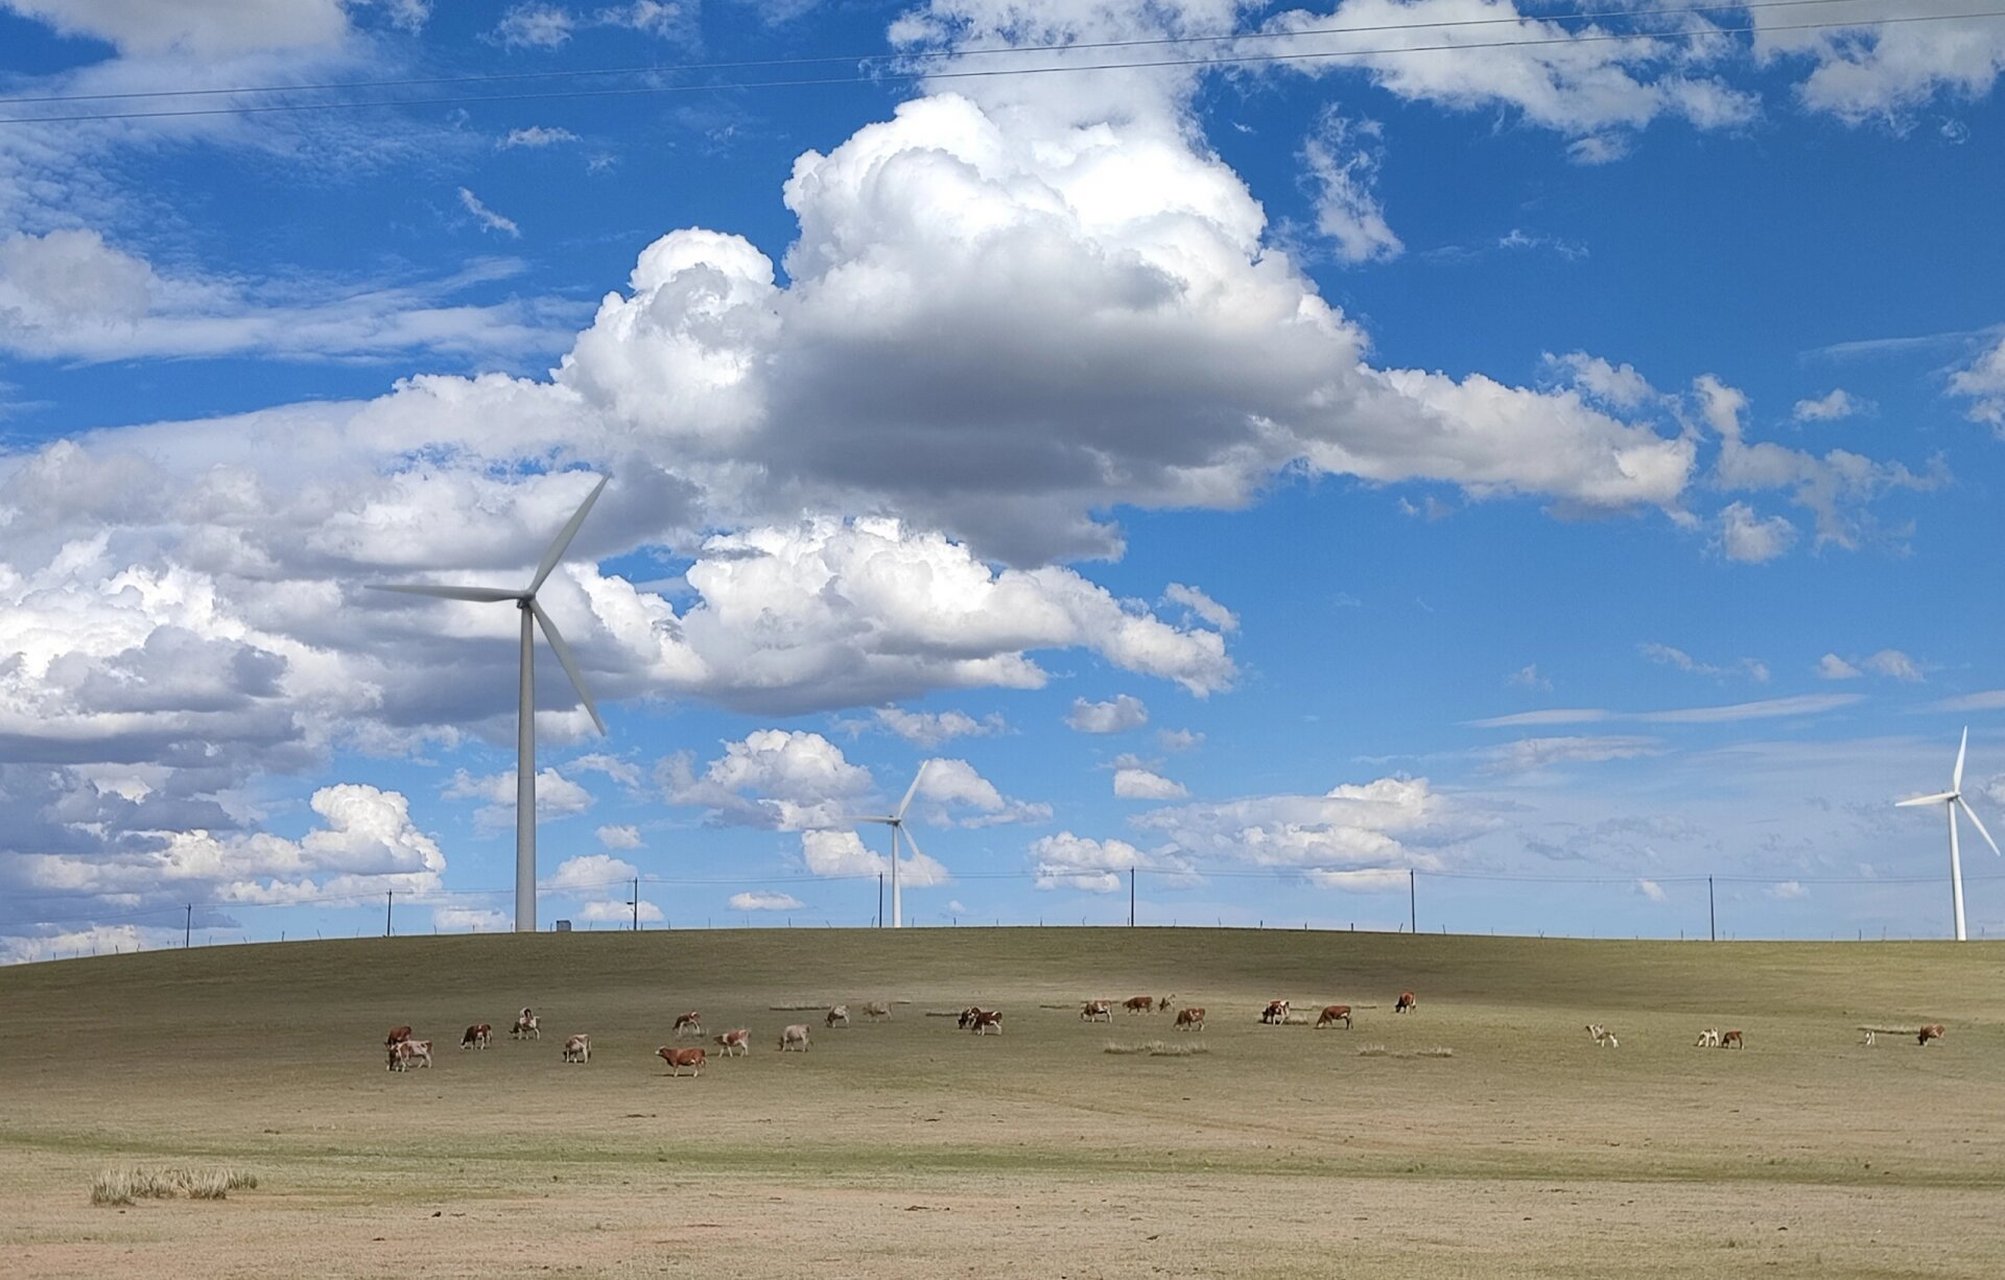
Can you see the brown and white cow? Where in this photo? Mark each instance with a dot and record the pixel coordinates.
(1139, 1004)
(968, 1016)
(397, 1035)
(1276, 1012)
(1732, 1040)
(1602, 1036)
(794, 1037)
(1190, 1018)
(1407, 1001)
(1096, 1011)
(1333, 1014)
(733, 1043)
(689, 1024)
(1931, 1031)
(1165, 1002)
(476, 1036)
(578, 1049)
(526, 1027)
(837, 1013)
(1708, 1039)
(876, 1009)
(405, 1052)
(986, 1020)
(677, 1059)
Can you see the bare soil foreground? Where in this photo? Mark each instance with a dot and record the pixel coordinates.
(907, 1148)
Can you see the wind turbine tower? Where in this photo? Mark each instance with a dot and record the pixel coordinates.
(1952, 800)
(533, 616)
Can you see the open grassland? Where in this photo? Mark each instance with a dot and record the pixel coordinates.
(907, 1148)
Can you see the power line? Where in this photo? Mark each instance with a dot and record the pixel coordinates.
(993, 73)
(880, 56)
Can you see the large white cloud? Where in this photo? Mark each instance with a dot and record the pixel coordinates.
(1390, 823)
(775, 778)
(199, 27)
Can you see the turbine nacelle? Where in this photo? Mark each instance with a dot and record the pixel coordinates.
(1953, 801)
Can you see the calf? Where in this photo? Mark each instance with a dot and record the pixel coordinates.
(837, 1013)
(794, 1037)
(1164, 1003)
(1190, 1018)
(677, 1059)
(1275, 1013)
(1602, 1036)
(1708, 1039)
(525, 1027)
(397, 1035)
(690, 1023)
(986, 1020)
(578, 1049)
(1732, 1040)
(1096, 1011)
(734, 1043)
(1407, 1001)
(405, 1052)
(876, 1009)
(1333, 1014)
(476, 1036)
(1932, 1031)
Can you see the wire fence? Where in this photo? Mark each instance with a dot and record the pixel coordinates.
(1722, 907)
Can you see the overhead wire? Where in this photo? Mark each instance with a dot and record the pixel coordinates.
(974, 73)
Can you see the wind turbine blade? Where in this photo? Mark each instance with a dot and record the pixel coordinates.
(563, 542)
(479, 595)
(1971, 814)
(1937, 798)
(911, 791)
(910, 842)
(857, 819)
(1956, 778)
(563, 652)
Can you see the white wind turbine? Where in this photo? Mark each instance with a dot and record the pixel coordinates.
(525, 725)
(896, 821)
(1953, 800)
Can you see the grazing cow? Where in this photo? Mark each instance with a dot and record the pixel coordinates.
(1164, 1003)
(405, 1052)
(734, 1043)
(1096, 1011)
(876, 1009)
(1602, 1036)
(985, 1020)
(476, 1036)
(1333, 1014)
(1275, 1013)
(1732, 1040)
(837, 1013)
(968, 1016)
(689, 1024)
(1407, 1001)
(1869, 1036)
(526, 1027)
(1708, 1039)
(677, 1059)
(794, 1037)
(1190, 1018)
(1933, 1031)
(1139, 1004)
(578, 1049)
(397, 1035)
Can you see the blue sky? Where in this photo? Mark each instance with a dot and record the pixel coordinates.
(1559, 465)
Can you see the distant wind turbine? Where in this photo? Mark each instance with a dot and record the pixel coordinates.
(1953, 800)
(525, 725)
(896, 821)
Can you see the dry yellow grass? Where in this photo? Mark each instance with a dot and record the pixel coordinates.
(1526, 1152)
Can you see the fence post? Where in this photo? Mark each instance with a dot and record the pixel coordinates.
(1712, 916)
(1412, 903)
(1131, 897)
(188, 927)
(389, 902)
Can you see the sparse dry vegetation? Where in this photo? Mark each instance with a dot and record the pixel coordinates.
(125, 1185)
(1156, 1048)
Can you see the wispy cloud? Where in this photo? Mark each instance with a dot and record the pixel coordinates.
(1807, 704)
(487, 217)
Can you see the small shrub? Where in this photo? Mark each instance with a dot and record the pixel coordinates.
(111, 1186)
(123, 1186)
(1372, 1051)
(1182, 1049)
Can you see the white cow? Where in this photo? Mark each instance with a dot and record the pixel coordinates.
(794, 1037)
(1602, 1035)
(1709, 1038)
(837, 1013)
(578, 1049)
(526, 1027)
(406, 1052)
(876, 1009)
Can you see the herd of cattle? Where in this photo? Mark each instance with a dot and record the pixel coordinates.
(405, 1052)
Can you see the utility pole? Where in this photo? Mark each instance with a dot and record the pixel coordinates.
(188, 927)
(1412, 904)
(389, 903)
(635, 904)
(1131, 897)
(1712, 916)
